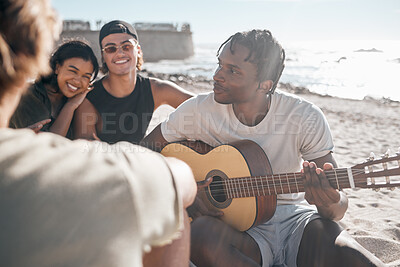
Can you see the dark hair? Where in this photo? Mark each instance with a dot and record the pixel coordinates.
(265, 52)
(67, 50)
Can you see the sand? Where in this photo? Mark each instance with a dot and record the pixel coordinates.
(358, 127)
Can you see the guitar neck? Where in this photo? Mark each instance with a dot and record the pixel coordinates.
(285, 183)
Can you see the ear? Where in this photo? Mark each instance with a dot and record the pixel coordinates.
(139, 48)
(57, 68)
(265, 86)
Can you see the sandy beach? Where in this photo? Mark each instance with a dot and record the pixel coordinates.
(358, 127)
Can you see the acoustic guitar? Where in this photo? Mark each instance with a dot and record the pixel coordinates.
(245, 189)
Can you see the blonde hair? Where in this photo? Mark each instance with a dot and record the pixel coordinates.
(28, 29)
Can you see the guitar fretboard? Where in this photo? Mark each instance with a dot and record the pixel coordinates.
(282, 183)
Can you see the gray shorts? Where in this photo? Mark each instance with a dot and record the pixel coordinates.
(279, 238)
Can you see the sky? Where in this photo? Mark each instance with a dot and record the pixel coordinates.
(213, 21)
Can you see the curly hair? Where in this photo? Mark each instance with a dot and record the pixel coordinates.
(28, 29)
(72, 48)
(265, 52)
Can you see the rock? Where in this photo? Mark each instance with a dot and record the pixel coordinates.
(369, 50)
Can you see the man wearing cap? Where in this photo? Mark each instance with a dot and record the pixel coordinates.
(122, 103)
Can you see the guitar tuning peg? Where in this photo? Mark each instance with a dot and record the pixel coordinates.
(371, 156)
(386, 155)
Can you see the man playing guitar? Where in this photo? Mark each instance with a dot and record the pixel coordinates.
(294, 134)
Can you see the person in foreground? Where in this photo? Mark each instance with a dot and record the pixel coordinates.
(78, 203)
(245, 105)
(122, 103)
(50, 103)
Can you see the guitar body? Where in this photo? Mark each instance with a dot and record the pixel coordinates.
(244, 188)
(239, 159)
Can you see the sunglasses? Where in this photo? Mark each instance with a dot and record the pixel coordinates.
(126, 47)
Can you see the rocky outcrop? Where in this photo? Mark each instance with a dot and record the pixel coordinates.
(156, 44)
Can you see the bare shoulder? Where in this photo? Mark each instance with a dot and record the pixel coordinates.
(167, 92)
(155, 82)
(86, 106)
(87, 112)
(86, 120)
(164, 85)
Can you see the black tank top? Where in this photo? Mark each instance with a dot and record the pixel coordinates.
(126, 118)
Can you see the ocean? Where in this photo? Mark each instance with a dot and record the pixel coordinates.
(347, 69)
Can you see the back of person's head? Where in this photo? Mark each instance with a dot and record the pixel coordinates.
(119, 26)
(71, 49)
(28, 29)
(265, 52)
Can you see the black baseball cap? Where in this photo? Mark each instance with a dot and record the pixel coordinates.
(117, 26)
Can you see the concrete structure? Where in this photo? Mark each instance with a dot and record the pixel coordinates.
(158, 40)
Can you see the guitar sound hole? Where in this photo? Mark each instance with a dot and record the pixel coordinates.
(217, 189)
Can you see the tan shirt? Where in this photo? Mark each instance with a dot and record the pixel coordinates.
(81, 203)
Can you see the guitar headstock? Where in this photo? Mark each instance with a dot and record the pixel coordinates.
(378, 172)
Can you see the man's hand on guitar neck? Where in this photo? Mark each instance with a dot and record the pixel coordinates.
(331, 203)
(198, 208)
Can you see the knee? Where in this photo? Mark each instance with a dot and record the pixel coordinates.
(329, 232)
(322, 231)
(331, 246)
(320, 235)
(202, 229)
(317, 246)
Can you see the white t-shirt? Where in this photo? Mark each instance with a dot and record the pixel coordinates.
(82, 203)
(293, 129)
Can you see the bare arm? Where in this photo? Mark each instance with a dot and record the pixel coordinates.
(331, 203)
(36, 127)
(154, 140)
(166, 92)
(85, 121)
(64, 119)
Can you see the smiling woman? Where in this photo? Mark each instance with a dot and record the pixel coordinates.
(50, 103)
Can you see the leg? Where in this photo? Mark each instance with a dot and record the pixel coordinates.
(325, 243)
(214, 243)
(175, 254)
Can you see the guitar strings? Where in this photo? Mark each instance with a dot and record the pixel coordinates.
(275, 177)
(257, 183)
(242, 185)
(253, 191)
(266, 182)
